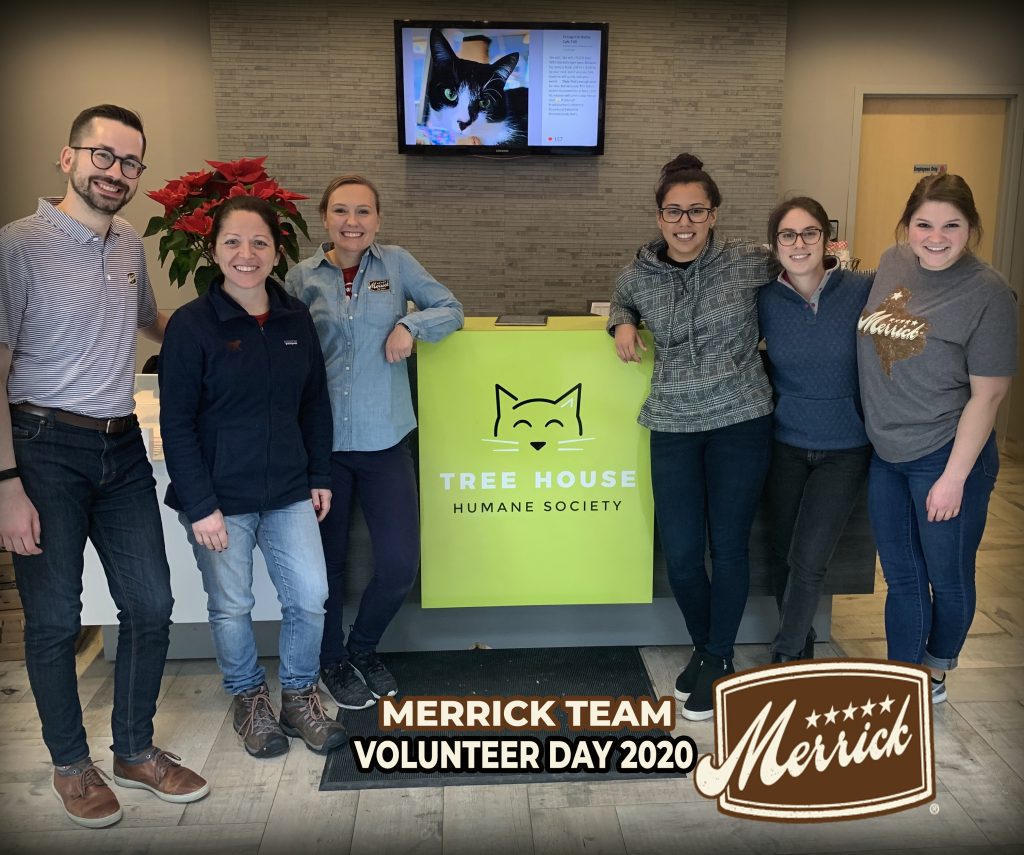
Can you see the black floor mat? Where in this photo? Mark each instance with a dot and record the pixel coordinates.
(605, 672)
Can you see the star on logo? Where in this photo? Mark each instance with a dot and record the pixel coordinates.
(848, 712)
(812, 719)
(830, 716)
(867, 708)
(886, 705)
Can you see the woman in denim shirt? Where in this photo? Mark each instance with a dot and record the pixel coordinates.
(358, 292)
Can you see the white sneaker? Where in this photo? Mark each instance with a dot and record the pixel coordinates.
(939, 690)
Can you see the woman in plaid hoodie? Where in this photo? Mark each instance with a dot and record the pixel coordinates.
(709, 409)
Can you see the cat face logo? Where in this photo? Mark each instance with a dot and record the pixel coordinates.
(538, 422)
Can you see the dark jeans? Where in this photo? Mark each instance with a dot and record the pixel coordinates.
(85, 484)
(810, 496)
(385, 482)
(928, 566)
(707, 485)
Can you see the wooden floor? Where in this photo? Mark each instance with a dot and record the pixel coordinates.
(274, 806)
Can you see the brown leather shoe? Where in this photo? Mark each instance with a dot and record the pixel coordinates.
(163, 775)
(86, 798)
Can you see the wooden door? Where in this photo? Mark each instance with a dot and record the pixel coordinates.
(900, 133)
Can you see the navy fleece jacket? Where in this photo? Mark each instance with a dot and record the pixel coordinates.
(245, 416)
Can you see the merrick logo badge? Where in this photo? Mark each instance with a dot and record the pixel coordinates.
(826, 740)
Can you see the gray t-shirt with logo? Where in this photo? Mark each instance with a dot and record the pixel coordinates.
(920, 337)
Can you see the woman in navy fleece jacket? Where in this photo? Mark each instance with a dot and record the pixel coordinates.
(246, 425)
(820, 454)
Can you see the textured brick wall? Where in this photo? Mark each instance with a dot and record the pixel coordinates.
(312, 85)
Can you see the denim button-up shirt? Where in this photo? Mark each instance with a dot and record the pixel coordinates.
(370, 397)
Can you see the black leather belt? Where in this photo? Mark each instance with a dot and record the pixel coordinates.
(117, 425)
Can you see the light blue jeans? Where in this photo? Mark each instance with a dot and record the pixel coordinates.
(289, 539)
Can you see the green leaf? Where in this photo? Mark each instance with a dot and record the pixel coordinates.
(177, 271)
(190, 258)
(203, 277)
(178, 239)
(301, 223)
(165, 247)
(156, 224)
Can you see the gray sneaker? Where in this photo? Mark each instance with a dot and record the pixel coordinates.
(346, 687)
(254, 720)
(303, 715)
(379, 680)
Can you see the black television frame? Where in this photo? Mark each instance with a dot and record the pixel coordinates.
(499, 151)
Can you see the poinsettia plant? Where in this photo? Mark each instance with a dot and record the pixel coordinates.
(189, 203)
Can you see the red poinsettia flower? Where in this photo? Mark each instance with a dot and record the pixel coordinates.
(189, 202)
(194, 223)
(207, 207)
(245, 170)
(285, 195)
(196, 181)
(171, 196)
(266, 189)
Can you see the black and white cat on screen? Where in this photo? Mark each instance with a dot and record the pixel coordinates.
(468, 99)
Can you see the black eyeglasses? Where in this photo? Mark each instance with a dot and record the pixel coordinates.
(810, 237)
(103, 159)
(695, 215)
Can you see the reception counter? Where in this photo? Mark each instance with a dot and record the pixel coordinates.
(511, 418)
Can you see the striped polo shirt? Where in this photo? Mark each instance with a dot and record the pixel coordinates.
(70, 304)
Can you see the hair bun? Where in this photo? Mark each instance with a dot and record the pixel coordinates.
(683, 161)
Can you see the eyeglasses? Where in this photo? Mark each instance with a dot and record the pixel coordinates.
(809, 236)
(695, 215)
(103, 159)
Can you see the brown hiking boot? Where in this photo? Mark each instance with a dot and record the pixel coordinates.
(85, 796)
(303, 715)
(255, 722)
(163, 775)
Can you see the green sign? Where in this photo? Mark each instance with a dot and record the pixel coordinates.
(534, 475)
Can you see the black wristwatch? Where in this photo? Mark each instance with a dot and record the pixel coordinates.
(7, 474)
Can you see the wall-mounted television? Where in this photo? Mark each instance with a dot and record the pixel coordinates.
(500, 88)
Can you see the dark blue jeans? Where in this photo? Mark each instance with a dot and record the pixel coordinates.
(928, 566)
(385, 482)
(85, 484)
(707, 486)
(810, 496)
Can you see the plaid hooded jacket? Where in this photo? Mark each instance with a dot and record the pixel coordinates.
(707, 370)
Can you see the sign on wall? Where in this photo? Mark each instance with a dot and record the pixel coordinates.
(534, 475)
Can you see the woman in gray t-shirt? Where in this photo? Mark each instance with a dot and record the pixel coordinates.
(936, 349)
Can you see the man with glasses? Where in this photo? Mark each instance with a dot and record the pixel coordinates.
(73, 291)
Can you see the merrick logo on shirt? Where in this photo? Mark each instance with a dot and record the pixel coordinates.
(825, 740)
